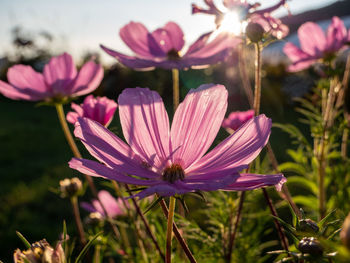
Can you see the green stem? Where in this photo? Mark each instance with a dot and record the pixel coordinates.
(71, 142)
(74, 201)
(176, 89)
(257, 90)
(169, 232)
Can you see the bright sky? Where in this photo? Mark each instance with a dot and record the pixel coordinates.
(81, 25)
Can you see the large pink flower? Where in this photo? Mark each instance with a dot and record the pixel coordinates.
(175, 161)
(59, 80)
(248, 13)
(163, 48)
(100, 109)
(112, 206)
(315, 44)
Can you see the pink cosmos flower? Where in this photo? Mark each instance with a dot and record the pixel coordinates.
(174, 160)
(59, 80)
(114, 207)
(315, 45)
(100, 109)
(236, 119)
(246, 12)
(163, 48)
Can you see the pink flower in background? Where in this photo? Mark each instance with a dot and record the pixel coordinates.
(163, 48)
(315, 44)
(59, 80)
(174, 160)
(100, 109)
(237, 119)
(114, 207)
(246, 12)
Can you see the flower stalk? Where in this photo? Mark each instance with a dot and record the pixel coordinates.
(176, 89)
(169, 232)
(79, 224)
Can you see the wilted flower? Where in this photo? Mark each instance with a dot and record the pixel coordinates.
(345, 232)
(245, 13)
(59, 81)
(100, 109)
(70, 187)
(112, 206)
(173, 161)
(163, 48)
(40, 252)
(236, 119)
(315, 45)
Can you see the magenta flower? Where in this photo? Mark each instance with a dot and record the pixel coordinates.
(163, 48)
(246, 13)
(100, 109)
(315, 45)
(174, 161)
(114, 207)
(59, 80)
(237, 119)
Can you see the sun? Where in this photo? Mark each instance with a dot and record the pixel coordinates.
(231, 23)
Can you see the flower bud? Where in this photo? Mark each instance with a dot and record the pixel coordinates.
(39, 252)
(345, 232)
(70, 187)
(255, 32)
(308, 225)
(310, 245)
(94, 219)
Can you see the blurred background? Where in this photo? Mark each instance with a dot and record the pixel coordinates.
(34, 154)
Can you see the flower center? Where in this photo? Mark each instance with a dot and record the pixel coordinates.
(173, 54)
(173, 173)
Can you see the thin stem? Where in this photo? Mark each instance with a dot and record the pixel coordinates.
(71, 142)
(279, 228)
(176, 89)
(233, 234)
(257, 90)
(146, 224)
(74, 202)
(257, 98)
(344, 142)
(169, 230)
(178, 235)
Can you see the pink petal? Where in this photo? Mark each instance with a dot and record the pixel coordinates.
(59, 74)
(155, 43)
(145, 124)
(72, 117)
(300, 59)
(88, 207)
(176, 35)
(96, 169)
(196, 122)
(336, 35)
(312, 39)
(112, 206)
(131, 62)
(135, 35)
(253, 181)
(199, 43)
(26, 84)
(235, 152)
(88, 79)
(108, 148)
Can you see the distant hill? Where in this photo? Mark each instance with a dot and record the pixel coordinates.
(340, 8)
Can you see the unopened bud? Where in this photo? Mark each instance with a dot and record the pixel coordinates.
(345, 232)
(310, 245)
(70, 187)
(255, 32)
(309, 226)
(94, 219)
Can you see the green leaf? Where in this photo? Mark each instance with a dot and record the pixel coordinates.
(23, 239)
(309, 201)
(324, 220)
(87, 246)
(153, 204)
(303, 182)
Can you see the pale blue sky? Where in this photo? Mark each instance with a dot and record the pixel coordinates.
(81, 25)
